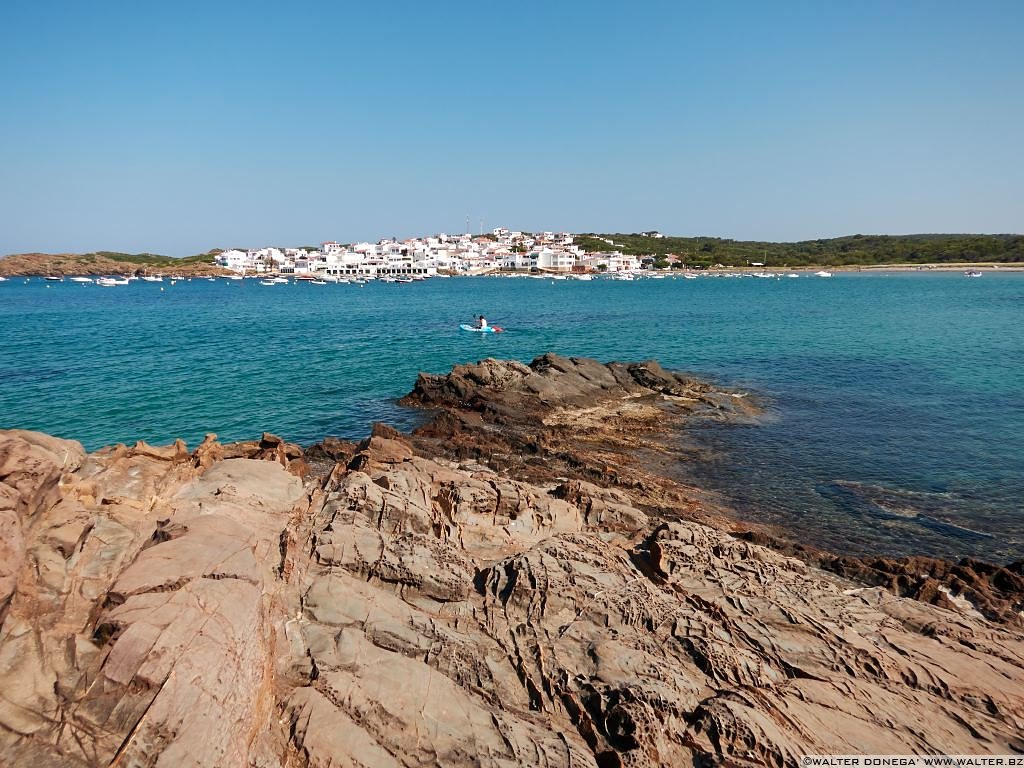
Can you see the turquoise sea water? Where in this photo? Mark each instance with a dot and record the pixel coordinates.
(895, 417)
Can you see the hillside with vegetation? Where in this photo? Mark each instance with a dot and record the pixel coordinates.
(854, 250)
(107, 263)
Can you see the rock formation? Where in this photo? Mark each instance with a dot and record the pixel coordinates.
(440, 600)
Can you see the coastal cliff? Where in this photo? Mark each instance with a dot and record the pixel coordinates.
(520, 581)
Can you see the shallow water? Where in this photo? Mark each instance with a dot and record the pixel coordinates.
(895, 401)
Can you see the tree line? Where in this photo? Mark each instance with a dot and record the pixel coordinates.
(849, 250)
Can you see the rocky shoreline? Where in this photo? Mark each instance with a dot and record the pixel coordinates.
(517, 582)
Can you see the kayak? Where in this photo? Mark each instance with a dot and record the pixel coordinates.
(488, 329)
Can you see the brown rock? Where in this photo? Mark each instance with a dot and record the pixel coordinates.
(178, 451)
(418, 608)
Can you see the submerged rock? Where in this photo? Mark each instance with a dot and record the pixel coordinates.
(439, 599)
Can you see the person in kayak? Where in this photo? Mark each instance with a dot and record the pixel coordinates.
(481, 322)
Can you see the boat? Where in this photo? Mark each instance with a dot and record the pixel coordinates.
(54, 278)
(281, 280)
(3, 279)
(152, 278)
(792, 274)
(487, 329)
(80, 279)
(108, 282)
(268, 282)
(823, 273)
(972, 273)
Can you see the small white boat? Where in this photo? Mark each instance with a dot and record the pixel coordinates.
(281, 280)
(3, 279)
(792, 274)
(317, 282)
(972, 273)
(268, 282)
(823, 273)
(152, 278)
(54, 278)
(688, 276)
(79, 279)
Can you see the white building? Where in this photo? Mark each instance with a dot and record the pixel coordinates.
(234, 259)
(612, 262)
(560, 261)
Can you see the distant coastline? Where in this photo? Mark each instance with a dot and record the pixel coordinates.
(503, 251)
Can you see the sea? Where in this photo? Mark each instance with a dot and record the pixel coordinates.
(893, 402)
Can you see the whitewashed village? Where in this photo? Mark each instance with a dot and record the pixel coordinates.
(501, 251)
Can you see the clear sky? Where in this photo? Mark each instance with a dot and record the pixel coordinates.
(174, 127)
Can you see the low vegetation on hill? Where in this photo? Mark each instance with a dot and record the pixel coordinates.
(107, 263)
(852, 250)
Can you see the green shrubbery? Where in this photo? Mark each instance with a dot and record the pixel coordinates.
(851, 250)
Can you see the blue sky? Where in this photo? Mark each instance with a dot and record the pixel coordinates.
(178, 127)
